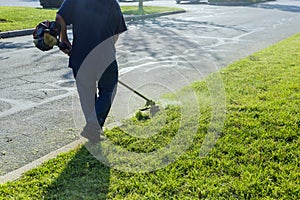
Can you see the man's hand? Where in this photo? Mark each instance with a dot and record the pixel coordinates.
(63, 36)
(66, 47)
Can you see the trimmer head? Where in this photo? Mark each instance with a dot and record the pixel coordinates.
(154, 109)
(149, 103)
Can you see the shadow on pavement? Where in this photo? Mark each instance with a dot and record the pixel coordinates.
(287, 8)
(15, 45)
(152, 47)
(4, 58)
(84, 177)
(68, 75)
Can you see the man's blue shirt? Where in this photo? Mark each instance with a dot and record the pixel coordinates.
(93, 21)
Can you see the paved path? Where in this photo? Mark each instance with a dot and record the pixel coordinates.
(39, 109)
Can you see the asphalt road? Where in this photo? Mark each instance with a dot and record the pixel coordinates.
(39, 108)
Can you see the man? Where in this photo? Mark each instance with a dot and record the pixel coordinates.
(96, 25)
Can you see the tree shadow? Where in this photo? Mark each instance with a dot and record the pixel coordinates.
(69, 76)
(287, 8)
(265, 5)
(173, 39)
(3, 58)
(84, 177)
(16, 45)
(178, 49)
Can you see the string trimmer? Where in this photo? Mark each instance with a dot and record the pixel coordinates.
(46, 35)
(150, 104)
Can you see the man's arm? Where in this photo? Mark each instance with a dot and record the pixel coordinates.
(63, 33)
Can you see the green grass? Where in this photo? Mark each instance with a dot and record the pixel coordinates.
(17, 18)
(256, 157)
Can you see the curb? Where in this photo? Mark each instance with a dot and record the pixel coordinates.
(16, 174)
(17, 33)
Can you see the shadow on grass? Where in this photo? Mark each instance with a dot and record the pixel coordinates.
(84, 177)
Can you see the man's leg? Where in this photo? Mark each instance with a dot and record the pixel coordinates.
(90, 71)
(86, 87)
(107, 86)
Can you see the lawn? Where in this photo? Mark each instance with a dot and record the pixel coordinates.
(256, 157)
(17, 18)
